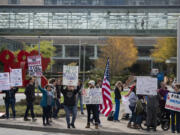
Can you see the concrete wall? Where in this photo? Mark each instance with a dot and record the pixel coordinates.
(32, 2)
(3, 2)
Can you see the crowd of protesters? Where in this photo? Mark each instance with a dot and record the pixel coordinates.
(51, 95)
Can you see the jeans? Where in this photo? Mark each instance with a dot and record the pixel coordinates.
(138, 119)
(116, 113)
(46, 114)
(92, 108)
(56, 108)
(68, 110)
(177, 128)
(31, 108)
(133, 117)
(12, 103)
(81, 102)
(151, 118)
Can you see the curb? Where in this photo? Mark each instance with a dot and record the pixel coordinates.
(66, 131)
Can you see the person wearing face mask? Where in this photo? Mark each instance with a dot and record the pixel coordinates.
(69, 94)
(175, 114)
(46, 103)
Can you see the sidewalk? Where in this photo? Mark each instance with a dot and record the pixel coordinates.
(59, 125)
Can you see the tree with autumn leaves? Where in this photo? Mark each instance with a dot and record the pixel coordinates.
(121, 52)
(165, 49)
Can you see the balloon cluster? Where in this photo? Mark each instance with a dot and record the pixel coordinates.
(10, 61)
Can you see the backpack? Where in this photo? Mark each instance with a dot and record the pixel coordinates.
(139, 107)
(111, 116)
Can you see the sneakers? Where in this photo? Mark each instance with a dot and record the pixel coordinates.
(82, 113)
(87, 126)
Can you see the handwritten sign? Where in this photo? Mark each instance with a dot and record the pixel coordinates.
(173, 102)
(35, 66)
(146, 85)
(92, 96)
(70, 75)
(4, 81)
(16, 77)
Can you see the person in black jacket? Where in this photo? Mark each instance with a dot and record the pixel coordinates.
(30, 97)
(10, 100)
(117, 92)
(70, 104)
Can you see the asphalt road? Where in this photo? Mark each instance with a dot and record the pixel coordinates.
(9, 131)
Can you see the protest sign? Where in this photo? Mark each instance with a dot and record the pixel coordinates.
(4, 81)
(35, 66)
(92, 96)
(173, 102)
(146, 85)
(70, 75)
(16, 77)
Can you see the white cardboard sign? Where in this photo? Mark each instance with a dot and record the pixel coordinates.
(70, 75)
(4, 81)
(92, 96)
(35, 66)
(173, 102)
(16, 77)
(146, 85)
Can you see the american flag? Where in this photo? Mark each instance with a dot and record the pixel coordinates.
(106, 106)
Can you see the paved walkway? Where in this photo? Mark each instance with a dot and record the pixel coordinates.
(59, 125)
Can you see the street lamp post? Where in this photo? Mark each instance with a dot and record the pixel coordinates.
(178, 49)
(84, 63)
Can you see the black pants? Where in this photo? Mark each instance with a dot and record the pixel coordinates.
(31, 108)
(7, 104)
(46, 114)
(92, 108)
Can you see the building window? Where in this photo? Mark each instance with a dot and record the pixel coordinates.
(72, 51)
(13, 1)
(58, 50)
(50, 2)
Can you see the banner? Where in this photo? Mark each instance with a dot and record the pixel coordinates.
(70, 75)
(125, 103)
(92, 96)
(35, 66)
(16, 77)
(173, 102)
(4, 81)
(146, 85)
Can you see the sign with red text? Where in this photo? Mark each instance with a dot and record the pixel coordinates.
(35, 66)
(173, 102)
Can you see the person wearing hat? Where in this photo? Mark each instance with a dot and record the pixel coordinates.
(92, 108)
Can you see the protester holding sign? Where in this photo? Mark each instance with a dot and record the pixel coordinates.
(30, 97)
(175, 114)
(117, 92)
(10, 100)
(69, 94)
(46, 103)
(92, 108)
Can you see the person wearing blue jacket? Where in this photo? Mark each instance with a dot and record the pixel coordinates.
(46, 103)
